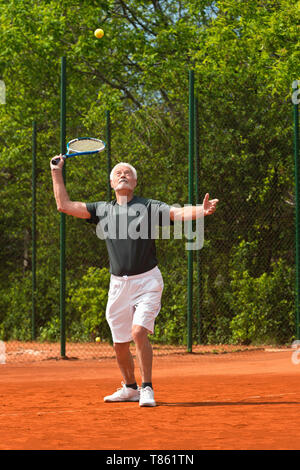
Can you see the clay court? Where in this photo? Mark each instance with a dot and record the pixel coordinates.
(242, 400)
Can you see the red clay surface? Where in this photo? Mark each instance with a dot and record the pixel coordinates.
(247, 400)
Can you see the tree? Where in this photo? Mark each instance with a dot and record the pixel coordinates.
(245, 56)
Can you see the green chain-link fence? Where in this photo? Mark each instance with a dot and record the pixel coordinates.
(243, 278)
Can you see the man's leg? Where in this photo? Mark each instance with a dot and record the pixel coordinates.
(129, 390)
(143, 351)
(145, 356)
(125, 362)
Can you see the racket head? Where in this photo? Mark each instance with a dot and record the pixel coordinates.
(84, 146)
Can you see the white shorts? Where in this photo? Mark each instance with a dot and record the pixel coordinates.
(133, 300)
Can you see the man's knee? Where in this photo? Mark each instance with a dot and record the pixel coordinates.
(139, 334)
(121, 348)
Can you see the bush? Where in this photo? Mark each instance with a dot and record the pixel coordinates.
(263, 306)
(86, 307)
(170, 324)
(15, 310)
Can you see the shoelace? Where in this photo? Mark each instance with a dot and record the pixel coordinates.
(147, 392)
(123, 388)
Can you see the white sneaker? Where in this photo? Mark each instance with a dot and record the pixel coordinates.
(123, 394)
(147, 397)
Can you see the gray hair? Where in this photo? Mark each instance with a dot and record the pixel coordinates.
(125, 164)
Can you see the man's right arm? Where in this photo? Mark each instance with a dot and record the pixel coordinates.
(63, 202)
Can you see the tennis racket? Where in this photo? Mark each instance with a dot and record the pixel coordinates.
(82, 146)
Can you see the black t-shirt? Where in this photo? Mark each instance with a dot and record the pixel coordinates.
(130, 232)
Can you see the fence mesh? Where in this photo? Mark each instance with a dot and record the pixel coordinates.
(243, 277)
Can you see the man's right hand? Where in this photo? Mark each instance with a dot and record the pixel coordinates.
(63, 202)
(60, 163)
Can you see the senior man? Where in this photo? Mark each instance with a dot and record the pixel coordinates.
(134, 300)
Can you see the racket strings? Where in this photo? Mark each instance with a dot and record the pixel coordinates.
(86, 145)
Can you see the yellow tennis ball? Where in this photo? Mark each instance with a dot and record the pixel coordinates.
(99, 33)
(97, 339)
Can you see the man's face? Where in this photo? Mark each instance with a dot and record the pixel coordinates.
(123, 179)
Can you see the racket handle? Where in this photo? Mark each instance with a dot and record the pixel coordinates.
(55, 161)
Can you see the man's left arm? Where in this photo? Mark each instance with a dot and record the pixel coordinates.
(194, 212)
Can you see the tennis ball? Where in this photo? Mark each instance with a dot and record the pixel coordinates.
(97, 339)
(99, 33)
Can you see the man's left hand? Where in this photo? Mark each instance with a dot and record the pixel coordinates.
(209, 206)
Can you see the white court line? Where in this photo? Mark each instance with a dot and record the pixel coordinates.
(279, 350)
(274, 396)
(39, 413)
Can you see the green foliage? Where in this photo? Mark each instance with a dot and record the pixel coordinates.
(264, 306)
(86, 307)
(245, 56)
(15, 311)
(170, 325)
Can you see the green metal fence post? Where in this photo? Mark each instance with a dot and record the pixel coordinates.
(191, 191)
(33, 316)
(297, 218)
(62, 215)
(197, 190)
(108, 153)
